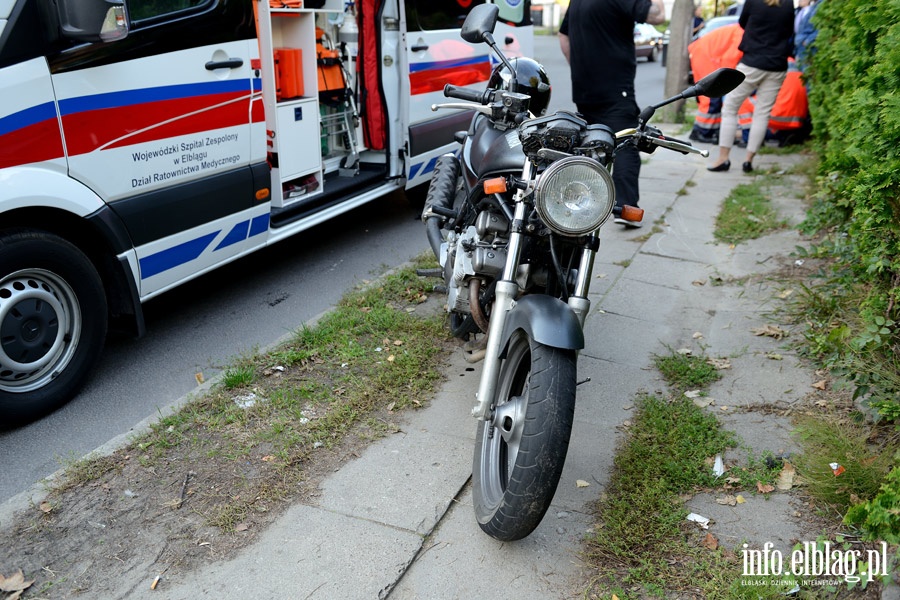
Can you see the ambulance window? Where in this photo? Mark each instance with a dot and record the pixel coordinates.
(428, 15)
(154, 9)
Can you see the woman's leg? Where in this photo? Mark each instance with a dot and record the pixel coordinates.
(766, 94)
(732, 104)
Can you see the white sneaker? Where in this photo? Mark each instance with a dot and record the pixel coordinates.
(627, 223)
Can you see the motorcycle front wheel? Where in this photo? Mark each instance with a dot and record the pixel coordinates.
(520, 452)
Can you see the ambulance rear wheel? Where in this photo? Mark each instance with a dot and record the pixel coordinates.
(53, 322)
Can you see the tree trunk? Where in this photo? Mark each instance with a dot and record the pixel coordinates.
(677, 61)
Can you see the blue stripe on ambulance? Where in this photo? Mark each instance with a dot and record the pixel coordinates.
(29, 116)
(429, 167)
(237, 234)
(147, 95)
(180, 254)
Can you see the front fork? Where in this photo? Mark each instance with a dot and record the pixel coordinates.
(505, 294)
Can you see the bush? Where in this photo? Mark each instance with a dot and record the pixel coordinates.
(878, 517)
(853, 81)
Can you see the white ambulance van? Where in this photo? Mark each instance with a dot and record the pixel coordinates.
(146, 142)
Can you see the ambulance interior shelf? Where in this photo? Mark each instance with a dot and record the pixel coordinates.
(330, 110)
(337, 101)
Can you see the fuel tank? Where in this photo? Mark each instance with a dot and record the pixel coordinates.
(488, 151)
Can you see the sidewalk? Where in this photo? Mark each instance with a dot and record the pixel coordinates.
(397, 522)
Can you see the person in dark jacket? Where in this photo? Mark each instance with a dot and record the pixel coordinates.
(597, 38)
(766, 45)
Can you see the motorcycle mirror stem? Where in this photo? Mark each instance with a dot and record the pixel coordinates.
(715, 85)
(479, 27)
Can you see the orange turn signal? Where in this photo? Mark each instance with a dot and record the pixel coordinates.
(497, 185)
(632, 213)
(262, 194)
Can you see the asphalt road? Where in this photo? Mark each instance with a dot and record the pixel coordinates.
(201, 326)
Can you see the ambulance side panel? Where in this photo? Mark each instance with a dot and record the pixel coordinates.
(159, 125)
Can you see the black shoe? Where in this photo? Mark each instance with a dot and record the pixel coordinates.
(748, 167)
(720, 167)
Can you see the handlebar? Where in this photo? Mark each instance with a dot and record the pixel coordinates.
(461, 93)
(647, 138)
(677, 145)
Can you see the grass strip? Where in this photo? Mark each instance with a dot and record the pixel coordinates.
(250, 439)
(746, 214)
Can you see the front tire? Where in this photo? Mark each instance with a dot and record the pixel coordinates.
(520, 452)
(53, 323)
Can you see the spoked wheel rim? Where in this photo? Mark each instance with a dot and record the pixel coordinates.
(40, 321)
(501, 443)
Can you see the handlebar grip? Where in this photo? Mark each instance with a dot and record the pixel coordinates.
(461, 93)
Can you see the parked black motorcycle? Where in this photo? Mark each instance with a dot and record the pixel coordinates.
(514, 221)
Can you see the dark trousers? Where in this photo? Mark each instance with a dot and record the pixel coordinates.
(617, 114)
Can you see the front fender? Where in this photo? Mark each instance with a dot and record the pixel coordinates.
(547, 320)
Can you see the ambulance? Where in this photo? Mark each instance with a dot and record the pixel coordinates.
(145, 142)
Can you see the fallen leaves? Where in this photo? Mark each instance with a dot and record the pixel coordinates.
(764, 488)
(772, 331)
(15, 584)
(785, 479)
(710, 542)
(720, 364)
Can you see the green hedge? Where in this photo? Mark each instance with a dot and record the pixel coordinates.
(854, 83)
(855, 105)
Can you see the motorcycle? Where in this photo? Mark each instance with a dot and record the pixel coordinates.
(513, 220)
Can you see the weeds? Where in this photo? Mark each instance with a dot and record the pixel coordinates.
(251, 437)
(862, 464)
(640, 520)
(746, 214)
(684, 371)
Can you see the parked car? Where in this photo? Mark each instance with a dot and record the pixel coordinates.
(715, 23)
(647, 41)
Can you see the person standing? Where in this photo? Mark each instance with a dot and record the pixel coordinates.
(766, 45)
(698, 20)
(804, 32)
(597, 39)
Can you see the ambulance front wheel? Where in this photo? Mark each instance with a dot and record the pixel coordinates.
(53, 322)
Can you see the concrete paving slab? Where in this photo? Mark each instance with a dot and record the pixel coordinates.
(641, 300)
(666, 271)
(459, 562)
(624, 340)
(308, 553)
(405, 481)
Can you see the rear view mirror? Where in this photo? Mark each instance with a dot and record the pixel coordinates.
(481, 21)
(718, 83)
(93, 20)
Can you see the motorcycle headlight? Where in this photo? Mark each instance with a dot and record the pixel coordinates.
(575, 195)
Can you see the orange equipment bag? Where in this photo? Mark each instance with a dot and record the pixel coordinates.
(332, 87)
(288, 73)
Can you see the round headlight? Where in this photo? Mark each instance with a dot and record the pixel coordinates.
(575, 195)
